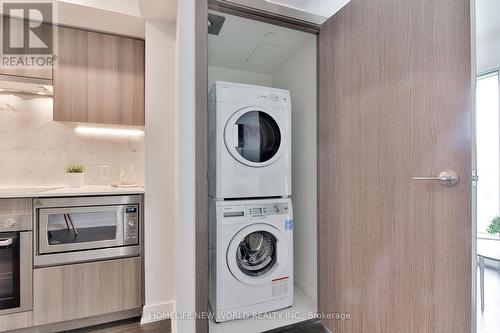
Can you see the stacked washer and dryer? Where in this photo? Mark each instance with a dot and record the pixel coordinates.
(250, 209)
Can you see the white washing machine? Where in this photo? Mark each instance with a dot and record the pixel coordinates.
(249, 141)
(251, 257)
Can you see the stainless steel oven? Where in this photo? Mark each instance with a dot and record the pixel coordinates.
(80, 229)
(16, 262)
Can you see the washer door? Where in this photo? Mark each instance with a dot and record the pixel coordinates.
(254, 137)
(256, 254)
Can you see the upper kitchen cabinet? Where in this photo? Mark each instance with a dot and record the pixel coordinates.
(99, 78)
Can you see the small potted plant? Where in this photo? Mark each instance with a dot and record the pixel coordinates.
(74, 174)
(494, 227)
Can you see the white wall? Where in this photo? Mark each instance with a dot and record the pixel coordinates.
(186, 245)
(487, 34)
(161, 170)
(233, 75)
(299, 76)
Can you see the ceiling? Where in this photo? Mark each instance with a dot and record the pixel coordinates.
(253, 46)
(124, 17)
(127, 7)
(147, 9)
(325, 8)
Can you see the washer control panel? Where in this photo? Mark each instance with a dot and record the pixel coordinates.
(267, 209)
(131, 225)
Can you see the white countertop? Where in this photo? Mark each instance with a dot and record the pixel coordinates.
(59, 191)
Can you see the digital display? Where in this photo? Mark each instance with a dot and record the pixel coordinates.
(131, 210)
(256, 211)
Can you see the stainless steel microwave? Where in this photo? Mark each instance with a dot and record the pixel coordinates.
(80, 229)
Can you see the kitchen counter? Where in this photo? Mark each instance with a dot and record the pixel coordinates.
(60, 191)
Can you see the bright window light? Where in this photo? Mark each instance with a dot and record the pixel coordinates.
(108, 131)
(488, 151)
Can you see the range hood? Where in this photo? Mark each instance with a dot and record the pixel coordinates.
(25, 85)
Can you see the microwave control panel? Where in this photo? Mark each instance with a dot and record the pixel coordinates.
(131, 230)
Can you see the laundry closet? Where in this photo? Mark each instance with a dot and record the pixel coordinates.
(371, 126)
(261, 75)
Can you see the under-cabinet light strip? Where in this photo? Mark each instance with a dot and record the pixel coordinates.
(109, 131)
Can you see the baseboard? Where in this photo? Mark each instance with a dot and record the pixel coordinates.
(156, 312)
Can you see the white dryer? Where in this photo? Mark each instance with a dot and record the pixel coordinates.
(251, 257)
(249, 141)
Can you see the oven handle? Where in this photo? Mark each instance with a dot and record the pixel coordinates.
(7, 241)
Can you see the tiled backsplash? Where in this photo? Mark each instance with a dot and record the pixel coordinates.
(34, 150)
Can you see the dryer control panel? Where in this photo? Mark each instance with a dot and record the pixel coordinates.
(230, 92)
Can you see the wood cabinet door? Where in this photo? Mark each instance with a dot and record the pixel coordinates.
(103, 79)
(395, 103)
(84, 290)
(131, 81)
(71, 76)
(116, 80)
(99, 78)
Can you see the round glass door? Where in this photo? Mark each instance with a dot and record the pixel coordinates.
(257, 254)
(254, 137)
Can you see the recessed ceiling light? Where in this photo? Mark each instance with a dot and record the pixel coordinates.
(41, 93)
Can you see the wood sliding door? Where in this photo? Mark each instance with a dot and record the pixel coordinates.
(395, 103)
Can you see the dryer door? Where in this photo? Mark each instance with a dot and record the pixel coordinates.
(257, 254)
(254, 137)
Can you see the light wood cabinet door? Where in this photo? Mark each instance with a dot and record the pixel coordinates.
(70, 76)
(84, 290)
(16, 321)
(99, 78)
(131, 81)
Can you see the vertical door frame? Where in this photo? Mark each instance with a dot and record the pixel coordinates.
(474, 169)
(201, 160)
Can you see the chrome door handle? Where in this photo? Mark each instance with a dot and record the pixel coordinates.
(447, 177)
